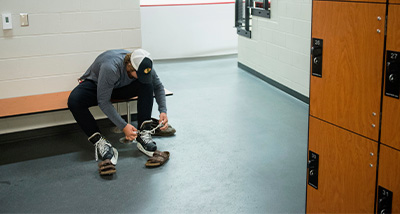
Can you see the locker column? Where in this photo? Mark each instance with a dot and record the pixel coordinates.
(388, 197)
(345, 103)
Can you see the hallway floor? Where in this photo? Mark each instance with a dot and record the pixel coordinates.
(240, 147)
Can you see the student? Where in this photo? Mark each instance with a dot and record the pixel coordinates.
(119, 74)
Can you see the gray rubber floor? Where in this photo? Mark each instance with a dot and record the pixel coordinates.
(240, 147)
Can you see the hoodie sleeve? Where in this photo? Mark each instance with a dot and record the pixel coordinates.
(159, 93)
(108, 76)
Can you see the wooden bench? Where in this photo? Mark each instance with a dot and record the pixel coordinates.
(33, 104)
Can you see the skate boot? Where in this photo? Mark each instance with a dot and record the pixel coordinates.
(170, 131)
(107, 152)
(144, 141)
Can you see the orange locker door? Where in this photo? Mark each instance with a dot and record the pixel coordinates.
(346, 170)
(391, 106)
(389, 180)
(348, 93)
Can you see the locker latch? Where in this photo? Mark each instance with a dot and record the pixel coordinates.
(384, 200)
(313, 162)
(316, 52)
(392, 79)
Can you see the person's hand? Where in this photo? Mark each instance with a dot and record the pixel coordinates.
(164, 120)
(130, 132)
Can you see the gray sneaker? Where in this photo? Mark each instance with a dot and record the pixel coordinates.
(104, 148)
(145, 142)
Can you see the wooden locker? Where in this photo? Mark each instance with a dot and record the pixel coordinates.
(389, 175)
(394, 1)
(346, 170)
(391, 106)
(348, 93)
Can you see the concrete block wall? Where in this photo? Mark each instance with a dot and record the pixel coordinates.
(280, 46)
(62, 40)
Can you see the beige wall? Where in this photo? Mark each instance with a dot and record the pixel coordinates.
(61, 41)
(280, 47)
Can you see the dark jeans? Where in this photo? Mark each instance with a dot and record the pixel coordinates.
(85, 95)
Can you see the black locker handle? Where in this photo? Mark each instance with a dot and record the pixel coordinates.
(385, 198)
(316, 52)
(313, 163)
(392, 83)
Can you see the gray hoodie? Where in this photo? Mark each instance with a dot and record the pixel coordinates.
(109, 72)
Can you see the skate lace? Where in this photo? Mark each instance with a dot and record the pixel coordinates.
(102, 146)
(146, 134)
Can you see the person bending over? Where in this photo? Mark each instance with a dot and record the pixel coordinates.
(119, 74)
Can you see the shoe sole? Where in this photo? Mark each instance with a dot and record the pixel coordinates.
(148, 153)
(111, 172)
(106, 167)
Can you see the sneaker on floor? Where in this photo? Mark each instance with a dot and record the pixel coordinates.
(158, 132)
(145, 142)
(104, 148)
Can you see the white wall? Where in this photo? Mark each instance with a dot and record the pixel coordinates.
(60, 43)
(280, 46)
(189, 30)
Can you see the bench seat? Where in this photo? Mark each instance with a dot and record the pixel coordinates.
(32, 104)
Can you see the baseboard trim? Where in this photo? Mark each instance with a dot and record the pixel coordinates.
(276, 84)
